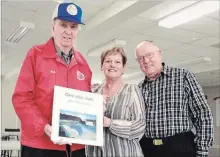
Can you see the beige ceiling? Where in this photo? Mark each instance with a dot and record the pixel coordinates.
(132, 21)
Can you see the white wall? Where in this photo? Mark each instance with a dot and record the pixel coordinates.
(8, 113)
(213, 92)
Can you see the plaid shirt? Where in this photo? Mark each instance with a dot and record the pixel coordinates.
(175, 103)
(66, 57)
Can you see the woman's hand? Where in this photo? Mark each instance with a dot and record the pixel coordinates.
(106, 121)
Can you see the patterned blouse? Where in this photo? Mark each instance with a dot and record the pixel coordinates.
(127, 111)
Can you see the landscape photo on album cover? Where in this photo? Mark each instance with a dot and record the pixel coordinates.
(77, 125)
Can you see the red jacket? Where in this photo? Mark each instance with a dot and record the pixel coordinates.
(33, 94)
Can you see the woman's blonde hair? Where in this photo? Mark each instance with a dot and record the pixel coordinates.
(114, 51)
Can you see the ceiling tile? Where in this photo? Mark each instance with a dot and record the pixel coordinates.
(207, 42)
(137, 24)
(203, 25)
(161, 43)
(43, 16)
(197, 51)
(95, 3)
(16, 14)
(175, 57)
(25, 5)
(165, 8)
(165, 44)
(175, 34)
(214, 15)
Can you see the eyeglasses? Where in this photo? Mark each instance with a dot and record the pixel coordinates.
(148, 55)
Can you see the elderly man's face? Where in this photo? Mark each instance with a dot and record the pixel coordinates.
(64, 33)
(150, 59)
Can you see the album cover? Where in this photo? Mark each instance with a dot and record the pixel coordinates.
(77, 116)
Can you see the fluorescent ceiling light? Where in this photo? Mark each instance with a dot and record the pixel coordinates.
(98, 50)
(190, 13)
(19, 32)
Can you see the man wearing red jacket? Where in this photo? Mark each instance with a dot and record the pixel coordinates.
(54, 63)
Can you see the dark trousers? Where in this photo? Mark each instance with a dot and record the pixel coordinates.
(181, 145)
(34, 152)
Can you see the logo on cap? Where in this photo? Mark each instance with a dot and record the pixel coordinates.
(71, 9)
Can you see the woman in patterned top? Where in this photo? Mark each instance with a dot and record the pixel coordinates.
(124, 115)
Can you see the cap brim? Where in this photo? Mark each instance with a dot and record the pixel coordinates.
(70, 19)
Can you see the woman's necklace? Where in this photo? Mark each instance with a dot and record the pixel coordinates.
(109, 92)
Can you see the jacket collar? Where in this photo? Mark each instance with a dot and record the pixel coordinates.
(50, 52)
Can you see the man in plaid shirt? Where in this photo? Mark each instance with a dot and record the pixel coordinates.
(175, 104)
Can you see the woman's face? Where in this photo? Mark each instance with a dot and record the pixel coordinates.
(113, 66)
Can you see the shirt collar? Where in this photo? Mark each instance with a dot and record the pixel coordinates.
(165, 70)
(60, 53)
(50, 52)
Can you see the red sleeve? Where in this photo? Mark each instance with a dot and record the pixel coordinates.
(23, 98)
